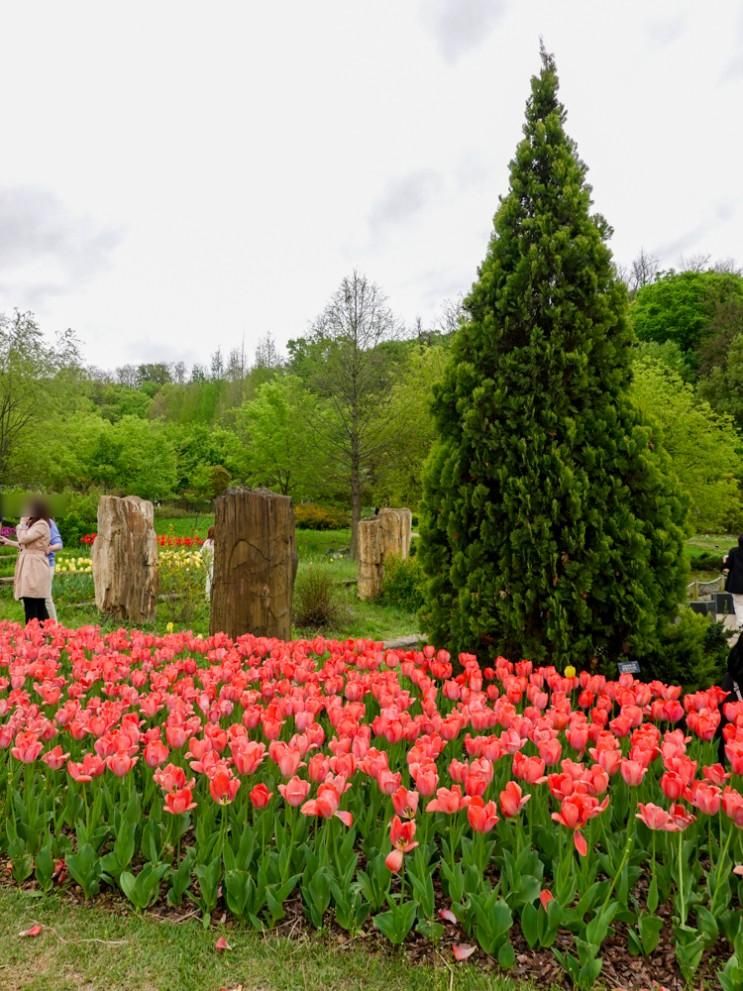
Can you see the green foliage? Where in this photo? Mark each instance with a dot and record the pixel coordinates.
(723, 385)
(681, 306)
(692, 652)
(408, 427)
(705, 561)
(33, 374)
(76, 514)
(278, 427)
(706, 452)
(309, 516)
(403, 583)
(316, 602)
(668, 354)
(552, 527)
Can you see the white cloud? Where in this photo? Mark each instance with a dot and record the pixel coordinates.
(179, 176)
(461, 25)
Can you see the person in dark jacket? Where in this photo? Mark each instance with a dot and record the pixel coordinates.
(732, 683)
(732, 567)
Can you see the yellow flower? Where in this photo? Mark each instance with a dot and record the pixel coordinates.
(169, 627)
(570, 671)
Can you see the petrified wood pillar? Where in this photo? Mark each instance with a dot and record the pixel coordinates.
(255, 563)
(125, 559)
(384, 536)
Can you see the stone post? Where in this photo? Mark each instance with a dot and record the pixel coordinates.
(255, 564)
(125, 559)
(385, 535)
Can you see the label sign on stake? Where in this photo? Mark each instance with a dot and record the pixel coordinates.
(629, 667)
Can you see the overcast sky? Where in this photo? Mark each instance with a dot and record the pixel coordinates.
(176, 176)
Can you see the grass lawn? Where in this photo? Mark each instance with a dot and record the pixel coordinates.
(93, 949)
(73, 593)
(711, 543)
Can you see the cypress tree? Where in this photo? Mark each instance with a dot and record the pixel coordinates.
(551, 527)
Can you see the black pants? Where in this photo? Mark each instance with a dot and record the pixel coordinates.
(35, 609)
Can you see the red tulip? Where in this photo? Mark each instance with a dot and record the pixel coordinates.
(512, 800)
(295, 791)
(448, 800)
(27, 748)
(394, 860)
(55, 758)
(405, 803)
(705, 797)
(223, 786)
(632, 772)
(482, 816)
(120, 764)
(402, 834)
(259, 796)
(179, 802)
(732, 805)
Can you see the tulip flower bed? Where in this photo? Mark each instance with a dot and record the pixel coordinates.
(163, 540)
(181, 559)
(505, 808)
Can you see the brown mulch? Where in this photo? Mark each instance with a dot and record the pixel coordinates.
(621, 970)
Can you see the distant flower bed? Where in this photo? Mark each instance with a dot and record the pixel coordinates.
(73, 566)
(180, 559)
(164, 540)
(8, 531)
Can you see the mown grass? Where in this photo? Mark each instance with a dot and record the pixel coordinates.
(97, 949)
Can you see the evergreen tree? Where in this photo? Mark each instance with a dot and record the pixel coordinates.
(551, 527)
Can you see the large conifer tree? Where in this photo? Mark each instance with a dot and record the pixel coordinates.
(551, 527)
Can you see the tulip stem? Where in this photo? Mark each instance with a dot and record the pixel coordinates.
(682, 902)
(723, 858)
(623, 862)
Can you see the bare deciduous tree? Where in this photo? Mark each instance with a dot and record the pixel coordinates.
(350, 373)
(643, 270)
(267, 354)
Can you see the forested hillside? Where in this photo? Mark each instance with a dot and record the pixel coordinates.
(343, 417)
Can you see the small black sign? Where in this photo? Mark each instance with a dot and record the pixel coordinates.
(629, 667)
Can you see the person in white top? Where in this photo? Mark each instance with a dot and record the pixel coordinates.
(207, 552)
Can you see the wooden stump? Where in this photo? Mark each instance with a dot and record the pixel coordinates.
(385, 535)
(125, 559)
(255, 564)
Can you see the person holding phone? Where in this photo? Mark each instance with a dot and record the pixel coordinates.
(32, 582)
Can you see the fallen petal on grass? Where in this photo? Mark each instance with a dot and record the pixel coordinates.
(462, 951)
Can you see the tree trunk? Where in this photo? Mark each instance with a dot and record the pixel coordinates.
(255, 564)
(386, 535)
(125, 559)
(355, 504)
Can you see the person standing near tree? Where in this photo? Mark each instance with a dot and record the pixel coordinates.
(32, 582)
(733, 570)
(207, 552)
(55, 545)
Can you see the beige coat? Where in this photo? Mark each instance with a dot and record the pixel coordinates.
(33, 576)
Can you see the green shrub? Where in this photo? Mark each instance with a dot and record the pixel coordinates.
(75, 514)
(403, 584)
(692, 652)
(309, 516)
(705, 561)
(316, 603)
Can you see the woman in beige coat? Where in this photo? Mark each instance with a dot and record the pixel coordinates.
(33, 576)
